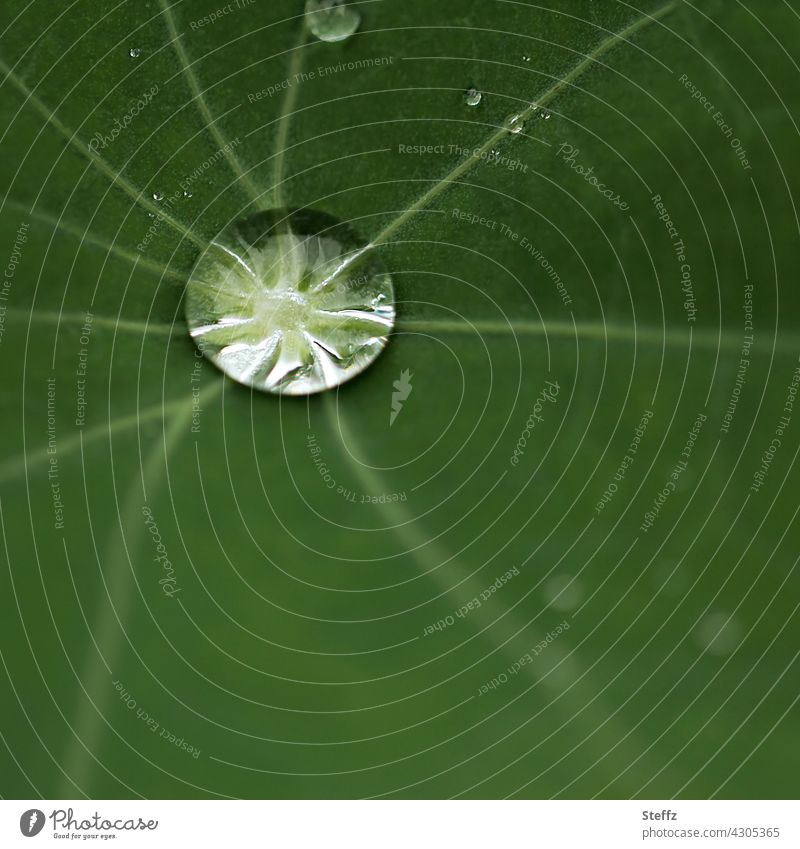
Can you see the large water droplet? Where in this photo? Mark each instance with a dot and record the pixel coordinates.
(158, 195)
(331, 20)
(472, 97)
(290, 301)
(514, 123)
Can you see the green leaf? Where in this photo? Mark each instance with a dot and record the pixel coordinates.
(561, 563)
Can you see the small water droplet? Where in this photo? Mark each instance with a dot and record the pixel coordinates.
(187, 194)
(134, 52)
(289, 302)
(158, 195)
(331, 20)
(514, 123)
(526, 58)
(563, 592)
(472, 97)
(151, 215)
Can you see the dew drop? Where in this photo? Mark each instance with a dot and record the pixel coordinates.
(134, 52)
(472, 97)
(526, 58)
(514, 124)
(331, 20)
(158, 195)
(290, 302)
(187, 194)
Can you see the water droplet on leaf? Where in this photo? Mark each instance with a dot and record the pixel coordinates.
(187, 194)
(331, 20)
(472, 97)
(134, 52)
(158, 195)
(290, 302)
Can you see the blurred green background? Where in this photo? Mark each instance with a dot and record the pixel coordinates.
(295, 654)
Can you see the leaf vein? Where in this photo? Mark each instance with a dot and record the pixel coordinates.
(549, 95)
(115, 177)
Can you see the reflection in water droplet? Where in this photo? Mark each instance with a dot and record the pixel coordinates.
(719, 633)
(563, 592)
(331, 20)
(514, 124)
(472, 97)
(187, 194)
(290, 302)
(158, 195)
(134, 52)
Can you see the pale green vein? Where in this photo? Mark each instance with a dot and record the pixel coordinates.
(641, 334)
(547, 97)
(197, 95)
(79, 319)
(86, 237)
(97, 160)
(15, 466)
(284, 118)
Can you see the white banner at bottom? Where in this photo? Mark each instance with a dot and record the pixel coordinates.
(401, 824)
